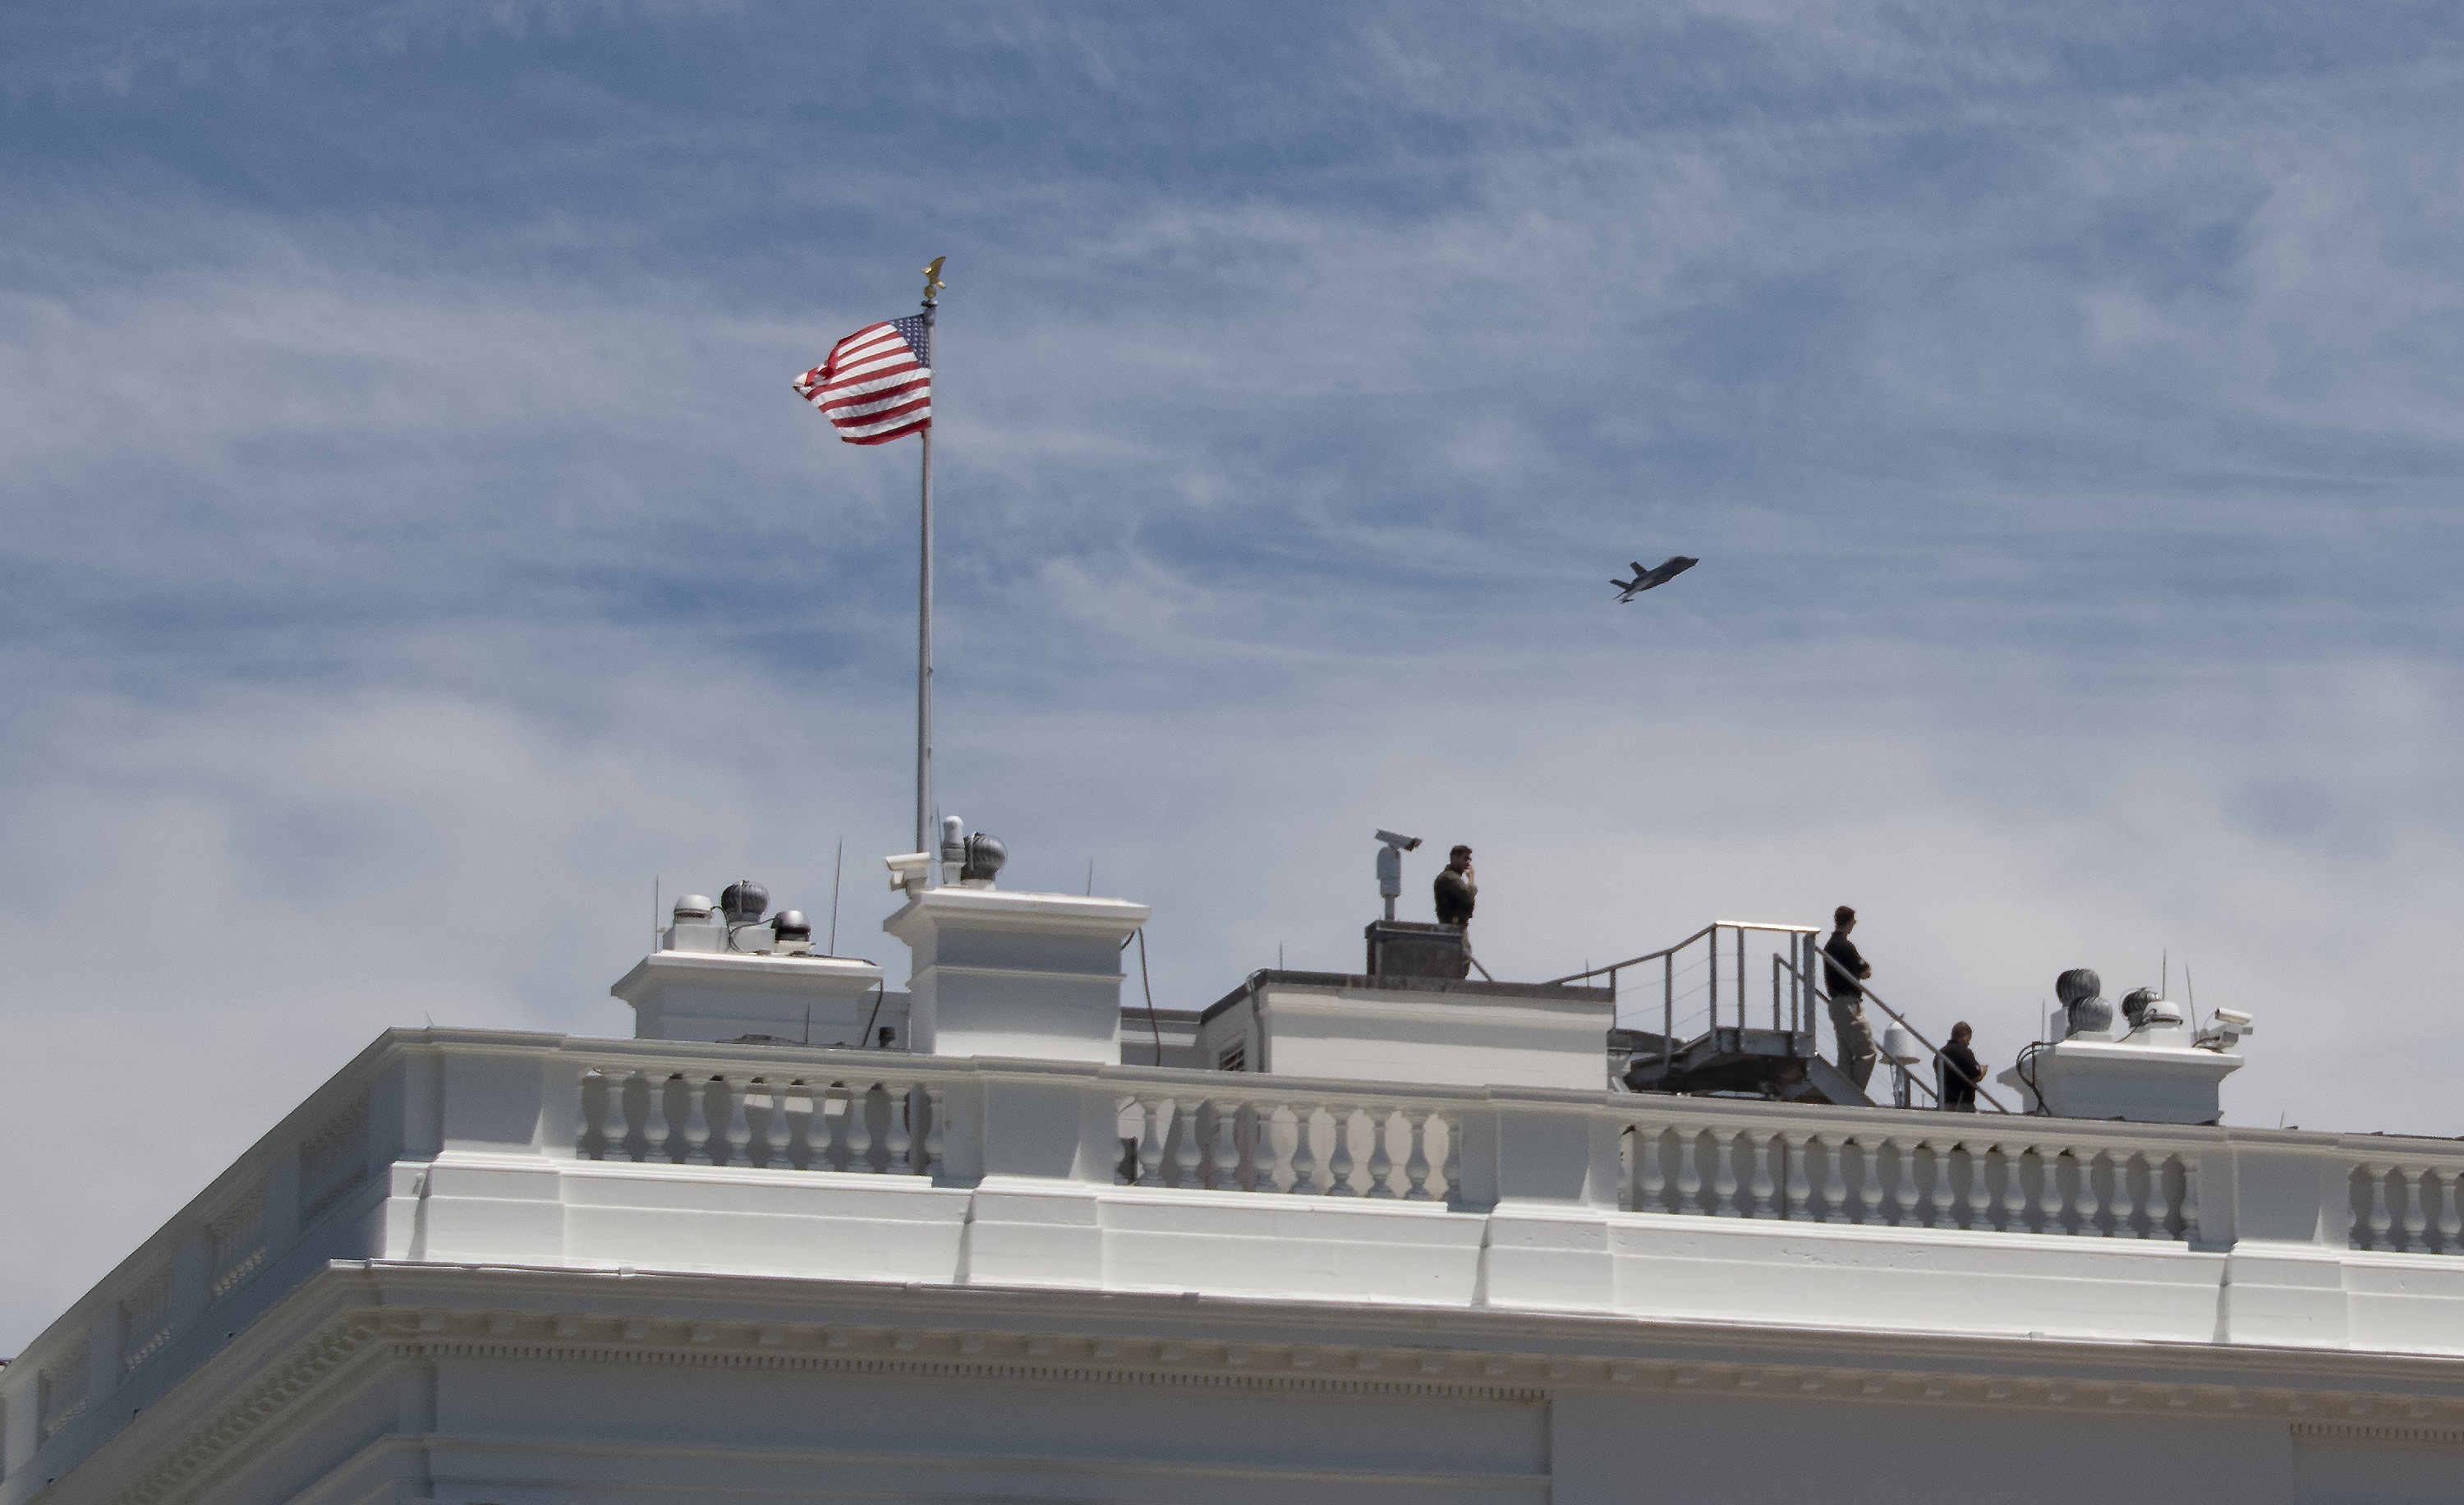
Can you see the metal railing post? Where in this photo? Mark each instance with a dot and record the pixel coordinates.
(1667, 1013)
(1712, 950)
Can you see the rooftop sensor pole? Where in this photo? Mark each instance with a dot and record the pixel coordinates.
(1390, 866)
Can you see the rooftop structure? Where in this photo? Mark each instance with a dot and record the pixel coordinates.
(1361, 1237)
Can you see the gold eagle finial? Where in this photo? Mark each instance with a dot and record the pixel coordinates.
(933, 282)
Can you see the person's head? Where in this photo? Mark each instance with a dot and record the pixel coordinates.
(1844, 919)
(1961, 1033)
(1459, 857)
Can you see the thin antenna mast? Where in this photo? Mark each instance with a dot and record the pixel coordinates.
(838, 871)
(654, 912)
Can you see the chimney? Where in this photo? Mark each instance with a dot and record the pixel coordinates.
(732, 974)
(1000, 973)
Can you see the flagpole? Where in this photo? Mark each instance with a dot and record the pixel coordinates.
(927, 840)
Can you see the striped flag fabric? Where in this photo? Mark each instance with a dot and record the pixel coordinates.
(877, 384)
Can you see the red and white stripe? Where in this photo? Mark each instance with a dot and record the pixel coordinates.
(872, 386)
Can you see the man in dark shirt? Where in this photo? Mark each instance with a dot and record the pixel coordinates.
(1843, 968)
(1961, 1075)
(1456, 891)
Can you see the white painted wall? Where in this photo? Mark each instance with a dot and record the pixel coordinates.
(523, 1310)
(1459, 1036)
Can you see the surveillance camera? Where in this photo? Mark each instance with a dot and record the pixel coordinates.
(1406, 843)
(2232, 1016)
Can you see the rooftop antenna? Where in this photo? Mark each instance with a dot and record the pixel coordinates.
(2165, 976)
(838, 871)
(1390, 866)
(1090, 877)
(654, 912)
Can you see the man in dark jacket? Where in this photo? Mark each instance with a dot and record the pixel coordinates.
(1961, 1074)
(1456, 891)
(1843, 969)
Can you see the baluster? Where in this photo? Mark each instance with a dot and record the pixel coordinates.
(2015, 1190)
(739, 1145)
(1184, 1158)
(697, 1123)
(1869, 1181)
(858, 1127)
(1303, 1152)
(1797, 1192)
(2049, 1192)
(2190, 1199)
(1689, 1175)
(774, 1128)
(2379, 1219)
(1980, 1189)
(2124, 1195)
(1904, 1170)
(1224, 1149)
(2416, 1206)
(1835, 1180)
(1940, 1202)
(933, 1137)
(1263, 1154)
(1760, 1147)
(1381, 1160)
(902, 1133)
(1649, 1179)
(2090, 1225)
(817, 1127)
(2160, 1201)
(1452, 1170)
(657, 1133)
(1151, 1132)
(619, 1121)
(1724, 1187)
(1415, 1165)
(1338, 1159)
(2450, 1218)
(582, 1138)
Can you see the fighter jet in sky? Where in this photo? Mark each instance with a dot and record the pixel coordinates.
(1644, 579)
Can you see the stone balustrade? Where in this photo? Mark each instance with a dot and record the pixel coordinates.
(856, 1123)
(1299, 1144)
(513, 1143)
(1998, 1174)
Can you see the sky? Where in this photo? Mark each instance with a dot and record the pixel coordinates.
(414, 555)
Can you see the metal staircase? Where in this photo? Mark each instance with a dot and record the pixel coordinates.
(1725, 1051)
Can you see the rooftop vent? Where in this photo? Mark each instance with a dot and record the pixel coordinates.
(976, 859)
(744, 902)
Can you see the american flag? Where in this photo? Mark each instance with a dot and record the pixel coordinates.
(877, 383)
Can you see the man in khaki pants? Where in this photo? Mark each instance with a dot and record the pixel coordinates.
(1843, 968)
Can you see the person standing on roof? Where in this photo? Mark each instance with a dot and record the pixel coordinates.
(1961, 1073)
(1843, 968)
(1456, 889)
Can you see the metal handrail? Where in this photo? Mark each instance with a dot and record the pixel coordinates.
(1653, 956)
(1666, 957)
(1903, 1020)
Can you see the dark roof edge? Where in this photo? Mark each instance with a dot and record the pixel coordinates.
(1468, 987)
